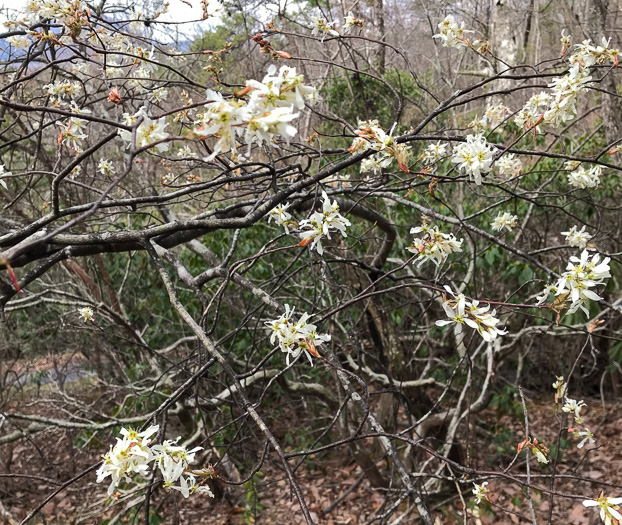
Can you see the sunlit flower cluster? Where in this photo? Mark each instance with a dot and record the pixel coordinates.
(321, 224)
(268, 112)
(588, 54)
(474, 157)
(133, 453)
(462, 312)
(504, 221)
(577, 238)
(295, 337)
(533, 110)
(565, 91)
(434, 245)
(452, 34)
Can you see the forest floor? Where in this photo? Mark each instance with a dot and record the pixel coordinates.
(335, 490)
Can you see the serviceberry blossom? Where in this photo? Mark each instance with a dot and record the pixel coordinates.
(477, 125)
(577, 238)
(324, 28)
(434, 152)
(133, 454)
(295, 337)
(372, 136)
(588, 54)
(86, 314)
(533, 110)
(148, 132)
(573, 406)
(452, 34)
(186, 153)
(284, 89)
(480, 492)
(582, 274)
(105, 167)
(538, 449)
(587, 436)
(3, 174)
(560, 387)
(566, 41)
(495, 115)
(582, 178)
(18, 42)
(473, 157)
(351, 21)
(62, 89)
(609, 508)
(504, 221)
(509, 165)
(321, 224)
(434, 245)
(281, 217)
(460, 311)
(565, 91)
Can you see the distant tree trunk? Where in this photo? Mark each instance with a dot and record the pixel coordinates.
(379, 23)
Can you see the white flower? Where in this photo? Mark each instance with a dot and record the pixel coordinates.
(509, 165)
(386, 146)
(473, 157)
(322, 224)
(574, 406)
(505, 220)
(351, 21)
(281, 216)
(578, 278)
(565, 90)
(533, 110)
(105, 167)
(435, 245)
(434, 152)
(608, 508)
(587, 436)
(295, 337)
(86, 314)
(459, 311)
(3, 174)
(185, 152)
(452, 34)
(477, 125)
(480, 492)
(588, 54)
(148, 132)
(324, 28)
(548, 290)
(158, 95)
(577, 238)
(495, 115)
(19, 42)
(283, 90)
(582, 178)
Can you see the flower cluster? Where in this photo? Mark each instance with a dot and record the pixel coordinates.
(504, 221)
(583, 178)
(533, 110)
(148, 132)
(495, 115)
(433, 153)
(452, 34)
(86, 314)
(281, 216)
(133, 453)
(322, 27)
(565, 91)
(351, 21)
(560, 387)
(582, 274)
(588, 54)
(435, 245)
(509, 165)
(577, 238)
(267, 113)
(609, 508)
(480, 492)
(538, 449)
(574, 407)
(372, 137)
(460, 311)
(296, 337)
(474, 157)
(321, 224)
